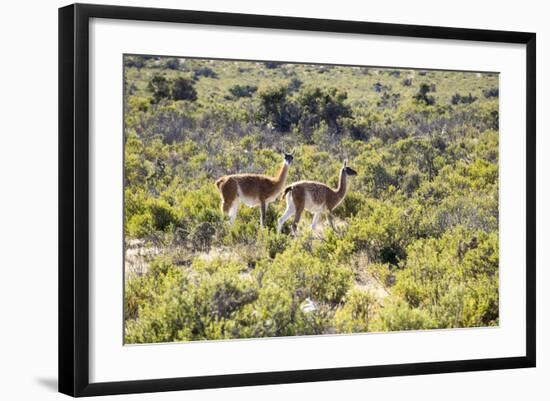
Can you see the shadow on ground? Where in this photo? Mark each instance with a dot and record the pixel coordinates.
(48, 382)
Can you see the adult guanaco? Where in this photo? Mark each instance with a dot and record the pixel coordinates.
(314, 197)
(252, 190)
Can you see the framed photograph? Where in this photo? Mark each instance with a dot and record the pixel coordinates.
(249, 199)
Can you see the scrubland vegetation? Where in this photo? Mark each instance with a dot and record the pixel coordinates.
(416, 238)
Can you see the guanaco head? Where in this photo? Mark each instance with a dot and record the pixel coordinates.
(348, 170)
(288, 157)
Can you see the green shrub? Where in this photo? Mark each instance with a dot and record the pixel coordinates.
(380, 231)
(491, 92)
(140, 225)
(163, 214)
(160, 88)
(173, 64)
(411, 182)
(319, 104)
(190, 308)
(298, 270)
(271, 315)
(202, 236)
(272, 64)
(356, 313)
(294, 85)
(204, 72)
(238, 91)
(135, 61)
(459, 99)
(184, 89)
(422, 96)
(397, 315)
(277, 243)
(276, 109)
(453, 278)
(151, 216)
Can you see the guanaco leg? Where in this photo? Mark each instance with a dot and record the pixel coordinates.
(262, 213)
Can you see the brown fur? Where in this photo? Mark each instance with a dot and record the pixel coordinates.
(314, 197)
(256, 188)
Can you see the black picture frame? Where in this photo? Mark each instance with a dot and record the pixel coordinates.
(74, 203)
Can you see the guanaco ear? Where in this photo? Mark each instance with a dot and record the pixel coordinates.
(345, 162)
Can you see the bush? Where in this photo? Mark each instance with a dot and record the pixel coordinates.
(381, 232)
(202, 236)
(163, 214)
(238, 91)
(149, 216)
(459, 99)
(135, 61)
(204, 72)
(276, 109)
(294, 85)
(273, 314)
(411, 182)
(394, 73)
(140, 225)
(378, 87)
(398, 316)
(173, 64)
(491, 92)
(388, 100)
(422, 95)
(244, 230)
(327, 105)
(453, 278)
(352, 204)
(356, 313)
(184, 89)
(272, 64)
(160, 88)
(277, 243)
(191, 308)
(139, 103)
(307, 276)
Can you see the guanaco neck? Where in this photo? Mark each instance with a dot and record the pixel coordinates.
(342, 185)
(280, 178)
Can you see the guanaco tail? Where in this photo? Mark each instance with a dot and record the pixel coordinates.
(314, 197)
(252, 190)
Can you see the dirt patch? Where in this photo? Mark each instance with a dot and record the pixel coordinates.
(138, 256)
(366, 280)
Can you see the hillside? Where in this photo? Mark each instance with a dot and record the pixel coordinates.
(416, 238)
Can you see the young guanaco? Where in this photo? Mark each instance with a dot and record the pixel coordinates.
(252, 190)
(314, 197)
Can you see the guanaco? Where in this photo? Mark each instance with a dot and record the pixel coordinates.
(252, 190)
(315, 197)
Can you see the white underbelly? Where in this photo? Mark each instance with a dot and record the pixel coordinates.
(248, 200)
(313, 207)
(271, 198)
